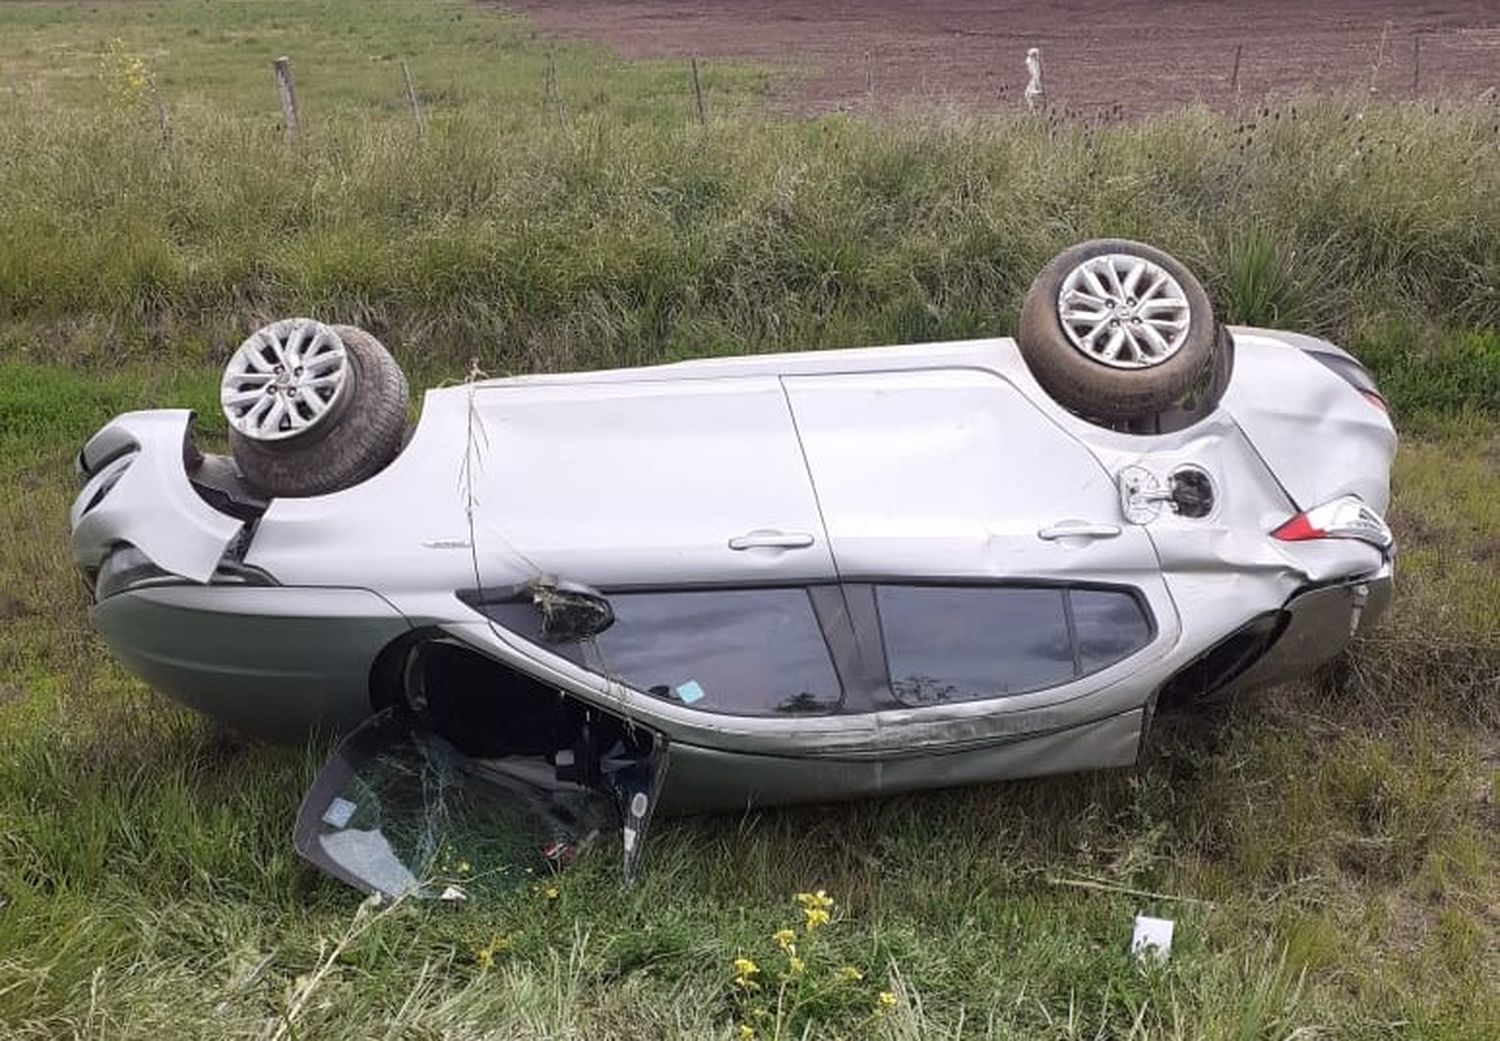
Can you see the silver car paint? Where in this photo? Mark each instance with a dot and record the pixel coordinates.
(271, 660)
(144, 497)
(1321, 440)
(1320, 623)
(922, 461)
(703, 779)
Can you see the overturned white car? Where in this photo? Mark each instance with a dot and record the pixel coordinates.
(767, 579)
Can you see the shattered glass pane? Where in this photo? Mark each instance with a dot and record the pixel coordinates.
(398, 810)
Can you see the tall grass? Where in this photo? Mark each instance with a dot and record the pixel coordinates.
(606, 241)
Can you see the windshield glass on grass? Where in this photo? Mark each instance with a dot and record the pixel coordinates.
(400, 810)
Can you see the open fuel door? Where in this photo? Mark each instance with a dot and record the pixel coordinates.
(401, 810)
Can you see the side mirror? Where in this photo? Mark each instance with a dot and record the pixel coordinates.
(570, 611)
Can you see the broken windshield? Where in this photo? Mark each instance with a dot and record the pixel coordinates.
(399, 810)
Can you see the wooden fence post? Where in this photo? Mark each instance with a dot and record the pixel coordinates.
(163, 117)
(1416, 63)
(1385, 32)
(411, 96)
(698, 94)
(282, 67)
(1234, 77)
(554, 92)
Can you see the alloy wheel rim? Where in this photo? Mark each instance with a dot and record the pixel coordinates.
(284, 379)
(1124, 311)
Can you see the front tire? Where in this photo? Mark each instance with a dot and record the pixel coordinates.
(1119, 331)
(314, 445)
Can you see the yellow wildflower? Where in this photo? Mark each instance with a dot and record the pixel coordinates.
(784, 939)
(464, 867)
(744, 967)
(849, 974)
(485, 956)
(795, 966)
(747, 1032)
(816, 918)
(819, 901)
(551, 892)
(124, 74)
(885, 1000)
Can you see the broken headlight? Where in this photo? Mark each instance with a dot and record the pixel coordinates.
(124, 568)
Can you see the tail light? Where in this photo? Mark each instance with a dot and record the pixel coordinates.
(1343, 518)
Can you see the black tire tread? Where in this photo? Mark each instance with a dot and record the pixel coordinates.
(351, 448)
(1091, 389)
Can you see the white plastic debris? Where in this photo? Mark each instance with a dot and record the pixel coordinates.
(1153, 938)
(339, 811)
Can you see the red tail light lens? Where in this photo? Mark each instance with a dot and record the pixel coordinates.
(1343, 518)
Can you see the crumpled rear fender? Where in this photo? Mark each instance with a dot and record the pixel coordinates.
(1317, 434)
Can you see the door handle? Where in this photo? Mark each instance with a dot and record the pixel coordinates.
(1074, 529)
(766, 539)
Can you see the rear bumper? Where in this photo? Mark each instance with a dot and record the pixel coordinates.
(1312, 627)
(1319, 625)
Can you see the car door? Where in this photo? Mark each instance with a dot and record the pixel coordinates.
(990, 575)
(658, 482)
(953, 473)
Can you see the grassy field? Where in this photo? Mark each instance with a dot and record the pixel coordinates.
(1331, 852)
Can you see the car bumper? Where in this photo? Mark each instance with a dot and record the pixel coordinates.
(136, 491)
(1319, 625)
(274, 661)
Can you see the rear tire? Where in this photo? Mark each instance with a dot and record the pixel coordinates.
(348, 446)
(1153, 346)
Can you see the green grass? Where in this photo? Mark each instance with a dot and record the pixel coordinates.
(616, 230)
(1339, 836)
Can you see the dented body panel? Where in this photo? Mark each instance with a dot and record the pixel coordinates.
(931, 466)
(138, 491)
(1319, 439)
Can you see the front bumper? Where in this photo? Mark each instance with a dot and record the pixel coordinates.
(136, 492)
(274, 661)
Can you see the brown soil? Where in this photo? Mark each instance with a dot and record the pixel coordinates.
(1139, 55)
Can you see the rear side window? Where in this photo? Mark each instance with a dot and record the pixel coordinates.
(747, 652)
(1110, 626)
(963, 643)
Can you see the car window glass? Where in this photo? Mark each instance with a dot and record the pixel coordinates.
(749, 652)
(959, 643)
(398, 810)
(1110, 626)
